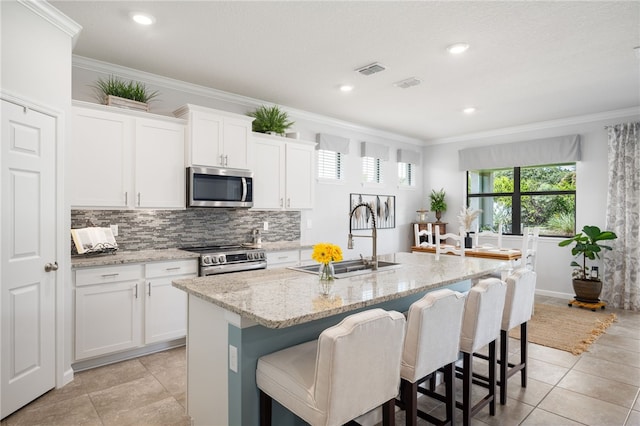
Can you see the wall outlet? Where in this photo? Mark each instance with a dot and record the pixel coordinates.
(233, 358)
(114, 230)
(265, 225)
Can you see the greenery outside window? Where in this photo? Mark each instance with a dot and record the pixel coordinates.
(371, 170)
(543, 196)
(405, 174)
(330, 165)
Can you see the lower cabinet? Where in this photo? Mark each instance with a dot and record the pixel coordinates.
(128, 306)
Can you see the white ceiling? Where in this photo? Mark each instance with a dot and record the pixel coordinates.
(528, 62)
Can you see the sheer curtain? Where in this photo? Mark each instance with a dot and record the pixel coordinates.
(621, 285)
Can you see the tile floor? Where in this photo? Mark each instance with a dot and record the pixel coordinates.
(599, 387)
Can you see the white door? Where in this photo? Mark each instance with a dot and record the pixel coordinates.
(28, 195)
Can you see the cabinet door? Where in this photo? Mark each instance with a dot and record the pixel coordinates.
(100, 166)
(108, 318)
(268, 173)
(165, 310)
(236, 140)
(159, 164)
(299, 172)
(206, 136)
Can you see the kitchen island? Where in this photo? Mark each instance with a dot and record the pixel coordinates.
(236, 318)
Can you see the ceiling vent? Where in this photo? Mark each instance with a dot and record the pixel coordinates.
(371, 69)
(409, 82)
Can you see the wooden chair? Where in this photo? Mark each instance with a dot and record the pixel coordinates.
(529, 249)
(418, 234)
(353, 368)
(491, 234)
(457, 248)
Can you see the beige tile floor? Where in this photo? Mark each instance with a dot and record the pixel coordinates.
(599, 387)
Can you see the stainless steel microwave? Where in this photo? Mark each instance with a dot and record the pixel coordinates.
(219, 187)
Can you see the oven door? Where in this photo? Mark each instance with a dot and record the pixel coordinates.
(218, 187)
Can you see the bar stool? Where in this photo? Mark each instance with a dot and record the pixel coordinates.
(432, 341)
(480, 327)
(518, 307)
(351, 369)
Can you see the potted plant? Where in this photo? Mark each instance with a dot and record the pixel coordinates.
(587, 287)
(270, 120)
(124, 94)
(438, 204)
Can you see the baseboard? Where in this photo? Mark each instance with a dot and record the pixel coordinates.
(67, 377)
(555, 294)
(123, 356)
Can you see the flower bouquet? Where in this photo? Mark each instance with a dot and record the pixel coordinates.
(325, 254)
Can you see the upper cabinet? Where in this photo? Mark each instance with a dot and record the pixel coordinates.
(216, 138)
(124, 159)
(282, 172)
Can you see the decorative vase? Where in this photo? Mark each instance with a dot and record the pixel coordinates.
(326, 271)
(126, 103)
(468, 242)
(587, 290)
(438, 216)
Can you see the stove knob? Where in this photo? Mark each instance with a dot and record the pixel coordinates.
(206, 260)
(250, 256)
(262, 255)
(222, 258)
(214, 259)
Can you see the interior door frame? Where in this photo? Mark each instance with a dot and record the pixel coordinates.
(63, 296)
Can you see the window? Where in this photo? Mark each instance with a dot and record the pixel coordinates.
(405, 174)
(371, 170)
(330, 165)
(543, 196)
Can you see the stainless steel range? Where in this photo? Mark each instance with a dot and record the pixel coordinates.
(232, 258)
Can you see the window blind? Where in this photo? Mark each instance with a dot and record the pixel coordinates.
(537, 152)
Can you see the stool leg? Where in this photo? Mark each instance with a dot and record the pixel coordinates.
(389, 413)
(265, 409)
(524, 344)
(450, 383)
(409, 396)
(466, 388)
(504, 365)
(492, 378)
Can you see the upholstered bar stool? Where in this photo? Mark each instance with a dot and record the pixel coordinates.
(480, 327)
(431, 342)
(351, 369)
(518, 308)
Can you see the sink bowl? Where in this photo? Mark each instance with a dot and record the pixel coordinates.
(349, 268)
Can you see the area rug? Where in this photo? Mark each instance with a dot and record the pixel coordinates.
(567, 328)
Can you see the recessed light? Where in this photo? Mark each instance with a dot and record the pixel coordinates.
(143, 18)
(469, 110)
(457, 48)
(346, 88)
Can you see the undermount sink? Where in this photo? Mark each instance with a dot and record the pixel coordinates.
(349, 268)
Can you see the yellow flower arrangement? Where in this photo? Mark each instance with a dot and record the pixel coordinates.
(326, 252)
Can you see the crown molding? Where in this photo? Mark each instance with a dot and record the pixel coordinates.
(53, 16)
(542, 125)
(183, 86)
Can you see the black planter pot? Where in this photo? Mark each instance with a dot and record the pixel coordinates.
(587, 290)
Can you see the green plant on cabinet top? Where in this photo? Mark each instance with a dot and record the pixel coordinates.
(270, 119)
(132, 90)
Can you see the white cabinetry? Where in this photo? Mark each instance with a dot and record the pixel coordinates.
(216, 138)
(283, 173)
(128, 306)
(165, 307)
(125, 159)
(108, 310)
(282, 258)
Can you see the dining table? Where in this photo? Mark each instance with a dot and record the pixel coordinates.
(484, 252)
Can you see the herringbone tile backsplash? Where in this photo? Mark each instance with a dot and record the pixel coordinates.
(160, 229)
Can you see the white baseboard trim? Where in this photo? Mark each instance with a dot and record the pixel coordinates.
(556, 294)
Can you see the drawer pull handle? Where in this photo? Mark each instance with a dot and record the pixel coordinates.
(149, 284)
(175, 268)
(283, 257)
(109, 275)
(136, 290)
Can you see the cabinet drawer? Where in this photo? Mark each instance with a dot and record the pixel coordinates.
(108, 274)
(173, 267)
(282, 258)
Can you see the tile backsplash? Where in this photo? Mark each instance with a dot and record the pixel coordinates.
(160, 229)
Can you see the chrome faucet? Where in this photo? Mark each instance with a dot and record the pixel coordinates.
(373, 236)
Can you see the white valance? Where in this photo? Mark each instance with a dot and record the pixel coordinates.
(332, 143)
(370, 149)
(538, 152)
(408, 156)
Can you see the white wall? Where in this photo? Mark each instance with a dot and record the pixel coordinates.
(554, 272)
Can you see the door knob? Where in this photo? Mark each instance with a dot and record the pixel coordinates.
(51, 267)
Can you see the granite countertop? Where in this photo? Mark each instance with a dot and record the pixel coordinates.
(122, 257)
(281, 297)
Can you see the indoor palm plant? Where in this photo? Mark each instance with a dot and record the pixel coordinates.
(270, 120)
(586, 245)
(438, 204)
(127, 94)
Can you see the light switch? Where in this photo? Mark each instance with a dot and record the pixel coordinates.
(233, 358)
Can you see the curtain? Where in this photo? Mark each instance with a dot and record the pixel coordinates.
(621, 287)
